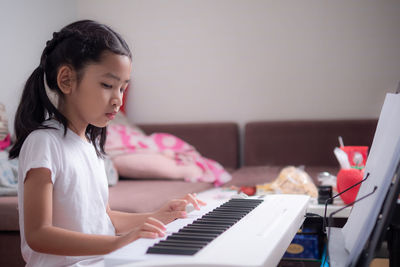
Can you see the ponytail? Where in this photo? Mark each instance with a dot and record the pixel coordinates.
(34, 108)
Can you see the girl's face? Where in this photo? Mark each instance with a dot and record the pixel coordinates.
(98, 95)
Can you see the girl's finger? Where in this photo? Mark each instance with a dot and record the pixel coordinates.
(202, 203)
(178, 204)
(147, 227)
(179, 214)
(193, 200)
(155, 222)
(146, 234)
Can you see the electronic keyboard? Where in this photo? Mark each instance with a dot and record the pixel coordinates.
(236, 232)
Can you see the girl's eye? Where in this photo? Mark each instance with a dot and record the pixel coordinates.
(106, 85)
(122, 90)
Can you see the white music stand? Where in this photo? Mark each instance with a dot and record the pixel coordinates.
(355, 243)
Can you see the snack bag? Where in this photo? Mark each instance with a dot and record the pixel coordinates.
(291, 180)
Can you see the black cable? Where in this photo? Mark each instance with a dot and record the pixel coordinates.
(331, 199)
(330, 222)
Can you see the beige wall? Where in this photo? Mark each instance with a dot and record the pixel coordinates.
(211, 60)
(25, 26)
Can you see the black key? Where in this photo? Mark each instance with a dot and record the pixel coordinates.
(209, 222)
(210, 235)
(243, 202)
(212, 226)
(248, 201)
(219, 216)
(222, 221)
(240, 207)
(200, 230)
(177, 244)
(235, 210)
(172, 250)
(192, 237)
(184, 242)
(205, 226)
(226, 213)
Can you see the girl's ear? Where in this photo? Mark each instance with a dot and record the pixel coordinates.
(65, 79)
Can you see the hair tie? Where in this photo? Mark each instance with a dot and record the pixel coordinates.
(52, 95)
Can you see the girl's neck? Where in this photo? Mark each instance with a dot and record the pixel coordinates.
(74, 124)
(81, 132)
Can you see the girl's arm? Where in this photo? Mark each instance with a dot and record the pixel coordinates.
(43, 237)
(124, 222)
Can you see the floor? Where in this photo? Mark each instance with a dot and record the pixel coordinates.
(380, 263)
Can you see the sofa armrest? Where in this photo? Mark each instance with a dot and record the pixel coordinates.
(217, 141)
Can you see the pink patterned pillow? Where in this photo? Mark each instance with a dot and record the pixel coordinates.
(160, 155)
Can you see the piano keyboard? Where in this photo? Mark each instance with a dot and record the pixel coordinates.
(259, 237)
(193, 237)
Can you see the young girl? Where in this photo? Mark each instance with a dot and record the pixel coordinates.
(60, 123)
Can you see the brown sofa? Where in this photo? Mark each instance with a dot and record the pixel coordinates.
(267, 148)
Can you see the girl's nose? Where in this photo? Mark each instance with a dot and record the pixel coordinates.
(117, 99)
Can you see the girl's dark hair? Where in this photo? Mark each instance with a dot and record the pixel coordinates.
(75, 45)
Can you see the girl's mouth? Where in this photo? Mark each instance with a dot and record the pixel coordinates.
(111, 116)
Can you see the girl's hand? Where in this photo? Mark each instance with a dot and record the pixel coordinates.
(151, 228)
(192, 198)
(176, 208)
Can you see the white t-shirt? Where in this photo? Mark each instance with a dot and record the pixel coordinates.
(80, 190)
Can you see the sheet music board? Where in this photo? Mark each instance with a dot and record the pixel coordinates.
(346, 244)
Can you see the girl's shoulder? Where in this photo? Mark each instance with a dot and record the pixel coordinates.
(50, 131)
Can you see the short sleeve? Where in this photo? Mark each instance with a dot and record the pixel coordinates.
(40, 150)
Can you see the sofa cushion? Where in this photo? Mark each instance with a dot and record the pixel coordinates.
(10, 249)
(217, 141)
(9, 213)
(308, 143)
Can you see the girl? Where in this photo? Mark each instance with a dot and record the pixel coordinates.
(60, 131)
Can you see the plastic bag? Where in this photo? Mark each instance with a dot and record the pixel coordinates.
(291, 180)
